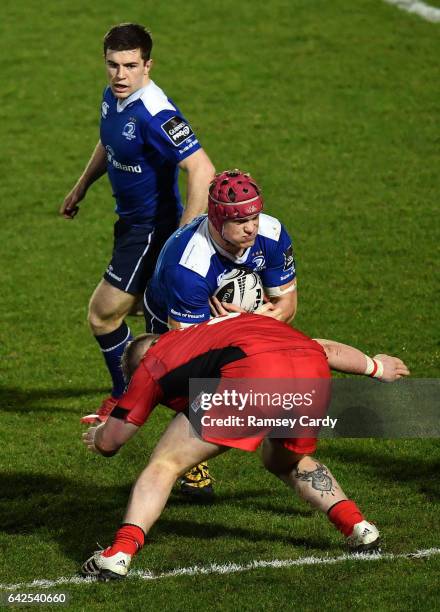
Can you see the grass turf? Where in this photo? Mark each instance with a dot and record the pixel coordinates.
(333, 107)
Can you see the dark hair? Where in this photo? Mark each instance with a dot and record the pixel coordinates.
(133, 353)
(128, 36)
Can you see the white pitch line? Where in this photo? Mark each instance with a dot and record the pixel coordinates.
(227, 568)
(423, 10)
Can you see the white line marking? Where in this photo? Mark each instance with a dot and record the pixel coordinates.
(228, 568)
(421, 9)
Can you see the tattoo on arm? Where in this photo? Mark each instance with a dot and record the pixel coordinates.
(319, 478)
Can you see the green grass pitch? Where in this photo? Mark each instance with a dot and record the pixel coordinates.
(334, 108)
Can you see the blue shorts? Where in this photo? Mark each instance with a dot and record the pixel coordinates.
(153, 324)
(135, 252)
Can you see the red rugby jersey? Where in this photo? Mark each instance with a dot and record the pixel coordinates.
(200, 351)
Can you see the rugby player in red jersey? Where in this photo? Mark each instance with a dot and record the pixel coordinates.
(237, 346)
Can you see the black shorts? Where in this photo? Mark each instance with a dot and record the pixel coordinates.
(135, 252)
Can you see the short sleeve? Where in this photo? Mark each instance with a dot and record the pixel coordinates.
(280, 262)
(141, 397)
(170, 134)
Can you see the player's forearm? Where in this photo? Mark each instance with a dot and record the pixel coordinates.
(343, 357)
(173, 324)
(103, 444)
(352, 361)
(200, 173)
(95, 168)
(287, 304)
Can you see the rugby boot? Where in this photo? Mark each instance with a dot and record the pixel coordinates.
(197, 483)
(364, 538)
(102, 413)
(105, 568)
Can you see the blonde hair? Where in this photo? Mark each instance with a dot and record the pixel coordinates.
(133, 353)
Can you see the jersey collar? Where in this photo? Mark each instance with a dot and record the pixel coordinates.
(221, 250)
(120, 106)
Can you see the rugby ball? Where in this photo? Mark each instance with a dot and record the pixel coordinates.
(242, 288)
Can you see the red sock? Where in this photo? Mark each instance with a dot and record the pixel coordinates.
(344, 515)
(129, 539)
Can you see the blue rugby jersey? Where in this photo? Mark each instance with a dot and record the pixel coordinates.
(190, 268)
(145, 137)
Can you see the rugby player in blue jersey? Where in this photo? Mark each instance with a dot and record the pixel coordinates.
(234, 234)
(144, 140)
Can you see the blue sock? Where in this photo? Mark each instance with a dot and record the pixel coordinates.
(112, 346)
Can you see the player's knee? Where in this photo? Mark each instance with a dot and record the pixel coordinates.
(309, 464)
(281, 466)
(278, 460)
(96, 323)
(92, 318)
(102, 322)
(167, 467)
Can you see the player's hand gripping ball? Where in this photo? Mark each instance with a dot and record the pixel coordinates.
(241, 288)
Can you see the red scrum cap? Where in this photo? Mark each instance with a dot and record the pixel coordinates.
(233, 195)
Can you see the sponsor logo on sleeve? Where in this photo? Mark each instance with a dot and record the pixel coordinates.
(187, 314)
(177, 130)
(104, 109)
(189, 146)
(289, 262)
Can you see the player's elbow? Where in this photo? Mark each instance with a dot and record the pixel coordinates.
(291, 313)
(331, 349)
(287, 306)
(293, 304)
